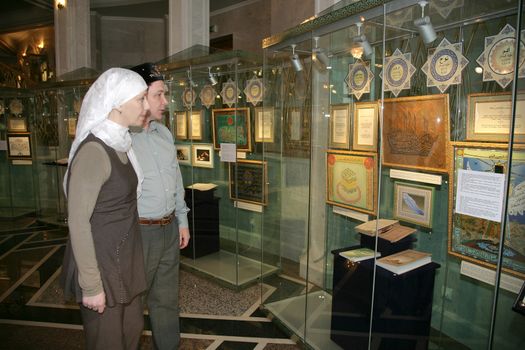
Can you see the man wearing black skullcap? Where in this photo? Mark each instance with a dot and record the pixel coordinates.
(162, 211)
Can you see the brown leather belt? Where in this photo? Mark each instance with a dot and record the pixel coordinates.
(161, 222)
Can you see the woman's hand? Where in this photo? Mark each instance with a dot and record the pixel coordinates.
(96, 302)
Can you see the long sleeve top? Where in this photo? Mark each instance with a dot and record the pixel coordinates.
(162, 188)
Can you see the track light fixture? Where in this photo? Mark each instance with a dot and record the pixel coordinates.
(191, 83)
(319, 58)
(296, 61)
(360, 45)
(211, 77)
(423, 24)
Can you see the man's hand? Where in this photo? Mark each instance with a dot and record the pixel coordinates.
(184, 234)
(95, 303)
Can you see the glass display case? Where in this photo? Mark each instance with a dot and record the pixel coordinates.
(395, 170)
(216, 118)
(19, 182)
(57, 105)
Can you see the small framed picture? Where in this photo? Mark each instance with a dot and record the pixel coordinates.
(19, 146)
(365, 121)
(17, 125)
(413, 203)
(339, 127)
(202, 155)
(183, 154)
(264, 124)
(195, 125)
(181, 126)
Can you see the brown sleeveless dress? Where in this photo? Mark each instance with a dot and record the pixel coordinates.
(116, 236)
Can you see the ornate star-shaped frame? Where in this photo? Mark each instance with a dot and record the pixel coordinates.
(445, 7)
(229, 92)
(444, 66)
(254, 90)
(207, 96)
(188, 97)
(16, 107)
(398, 72)
(498, 57)
(359, 78)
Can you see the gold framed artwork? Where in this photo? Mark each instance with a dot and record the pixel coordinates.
(248, 181)
(71, 126)
(413, 203)
(232, 125)
(16, 124)
(264, 124)
(365, 126)
(352, 180)
(474, 237)
(202, 155)
(489, 116)
(195, 125)
(181, 126)
(19, 146)
(416, 133)
(339, 126)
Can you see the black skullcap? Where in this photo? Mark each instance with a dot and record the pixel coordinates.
(149, 72)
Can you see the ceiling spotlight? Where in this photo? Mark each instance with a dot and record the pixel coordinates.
(360, 45)
(319, 58)
(296, 61)
(423, 24)
(211, 77)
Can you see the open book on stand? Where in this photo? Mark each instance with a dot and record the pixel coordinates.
(391, 230)
(359, 254)
(404, 261)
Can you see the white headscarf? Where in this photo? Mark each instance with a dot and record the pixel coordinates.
(110, 91)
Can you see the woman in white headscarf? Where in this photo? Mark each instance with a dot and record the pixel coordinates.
(103, 264)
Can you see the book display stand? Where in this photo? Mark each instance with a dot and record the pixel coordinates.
(402, 304)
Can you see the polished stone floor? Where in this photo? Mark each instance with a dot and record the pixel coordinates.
(34, 315)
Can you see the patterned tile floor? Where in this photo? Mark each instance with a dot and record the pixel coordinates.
(33, 314)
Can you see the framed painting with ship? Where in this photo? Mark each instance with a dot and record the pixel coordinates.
(416, 133)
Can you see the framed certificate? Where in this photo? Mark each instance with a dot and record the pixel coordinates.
(181, 126)
(489, 117)
(195, 125)
(71, 126)
(352, 180)
(365, 126)
(19, 146)
(264, 124)
(339, 126)
(232, 125)
(16, 124)
(248, 181)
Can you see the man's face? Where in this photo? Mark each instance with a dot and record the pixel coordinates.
(156, 100)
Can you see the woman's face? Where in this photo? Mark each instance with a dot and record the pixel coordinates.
(134, 111)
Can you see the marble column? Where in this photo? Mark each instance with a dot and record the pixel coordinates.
(72, 37)
(188, 24)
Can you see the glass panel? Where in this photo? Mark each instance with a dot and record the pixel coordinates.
(226, 220)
